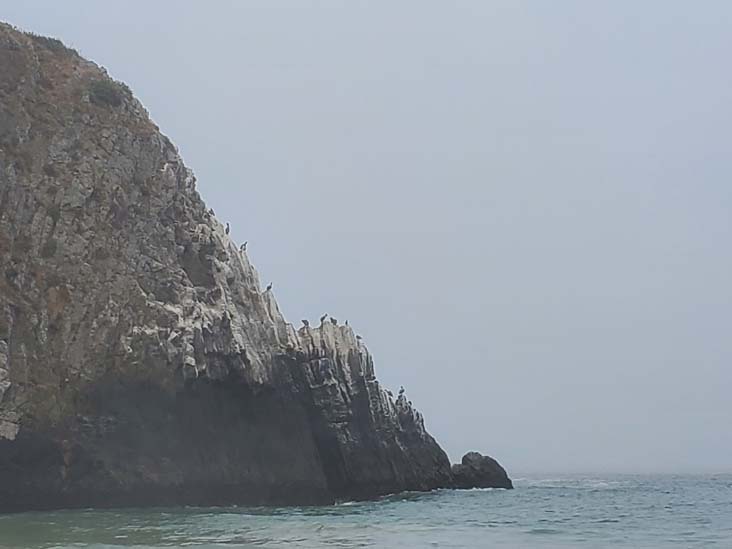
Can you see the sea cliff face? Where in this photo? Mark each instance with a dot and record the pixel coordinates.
(141, 362)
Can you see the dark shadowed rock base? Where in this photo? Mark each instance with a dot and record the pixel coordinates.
(136, 443)
(479, 471)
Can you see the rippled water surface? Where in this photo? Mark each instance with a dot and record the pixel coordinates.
(587, 511)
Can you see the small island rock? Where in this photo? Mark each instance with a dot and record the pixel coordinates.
(479, 471)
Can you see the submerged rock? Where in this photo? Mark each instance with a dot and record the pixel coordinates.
(141, 362)
(479, 471)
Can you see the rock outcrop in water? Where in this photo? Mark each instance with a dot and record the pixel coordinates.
(140, 360)
(479, 471)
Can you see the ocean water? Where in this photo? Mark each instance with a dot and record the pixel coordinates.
(572, 511)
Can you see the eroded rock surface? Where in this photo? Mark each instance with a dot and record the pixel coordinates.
(140, 360)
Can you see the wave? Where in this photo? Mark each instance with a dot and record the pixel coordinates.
(571, 483)
(347, 503)
(544, 531)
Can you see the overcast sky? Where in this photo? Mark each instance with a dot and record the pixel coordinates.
(525, 208)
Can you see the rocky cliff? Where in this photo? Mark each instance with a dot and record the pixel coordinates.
(140, 360)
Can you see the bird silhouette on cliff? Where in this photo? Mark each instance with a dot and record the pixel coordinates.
(269, 287)
(228, 227)
(243, 247)
(305, 323)
(322, 318)
(401, 390)
(334, 321)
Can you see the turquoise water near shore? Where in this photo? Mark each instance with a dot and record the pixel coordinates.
(543, 511)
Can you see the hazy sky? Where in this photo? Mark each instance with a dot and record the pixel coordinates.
(524, 207)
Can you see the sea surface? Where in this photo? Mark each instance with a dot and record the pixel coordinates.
(560, 511)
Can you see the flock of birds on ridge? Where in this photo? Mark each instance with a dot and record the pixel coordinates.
(305, 323)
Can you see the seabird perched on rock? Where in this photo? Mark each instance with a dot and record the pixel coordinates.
(322, 318)
(358, 337)
(334, 321)
(269, 287)
(228, 227)
(243, 247)
(305, 323)
(401, 390)
(346, 323)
